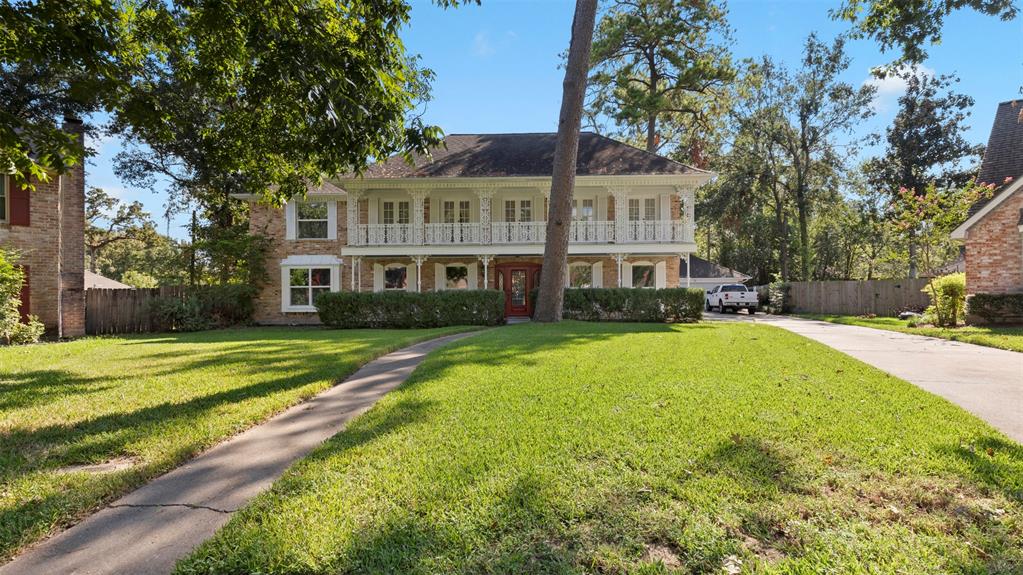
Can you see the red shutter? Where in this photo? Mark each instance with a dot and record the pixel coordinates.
(18, 203)
(25, 307)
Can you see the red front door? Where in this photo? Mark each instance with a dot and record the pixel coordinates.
(518, 281)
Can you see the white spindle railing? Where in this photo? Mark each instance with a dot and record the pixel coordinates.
(595, 232)
(592, 232)
(518, 232)
(386, 234)
(456, 233)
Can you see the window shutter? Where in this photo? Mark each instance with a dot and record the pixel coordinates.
(332, 220)
(19, 203)
(410, 277)
(626, 274)
(660, 275)
(598, 275)
(473, 276)
(378, 277)
(290, 217)
(665, 207)
(440, 276)
(25, 304)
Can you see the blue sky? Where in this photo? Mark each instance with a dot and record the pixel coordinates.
(497, 64)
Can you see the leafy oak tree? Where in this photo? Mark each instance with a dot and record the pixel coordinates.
(659, 69)
(925, 144)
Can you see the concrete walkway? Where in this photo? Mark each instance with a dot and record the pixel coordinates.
(150, 529)
(985, 381)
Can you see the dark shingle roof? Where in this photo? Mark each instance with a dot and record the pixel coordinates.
(502, 155)
(1003, 157)
(708, 269)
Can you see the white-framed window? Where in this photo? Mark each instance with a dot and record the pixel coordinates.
(644, 276)
(456, 276)
(303, 277)
(518, 210)
(582, 210)
(395, 277)
(312, 220)
(580, 275)
(642, 209)
(455, 211)
(395, 212)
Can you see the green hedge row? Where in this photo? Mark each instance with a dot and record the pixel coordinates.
(400, 309)
(630, 304)
(996, 308)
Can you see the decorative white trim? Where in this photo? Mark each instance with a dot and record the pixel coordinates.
(289, 219)
(960, 232)
(312, 260)
(515, 250)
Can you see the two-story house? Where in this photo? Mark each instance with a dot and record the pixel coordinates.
(46, 228)
(474, 215)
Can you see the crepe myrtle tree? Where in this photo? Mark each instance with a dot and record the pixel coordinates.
(551, 297)
(292, 89)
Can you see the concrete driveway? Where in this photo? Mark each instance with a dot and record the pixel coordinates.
(985, 381)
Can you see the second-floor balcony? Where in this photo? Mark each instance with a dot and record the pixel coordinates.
(472, 233)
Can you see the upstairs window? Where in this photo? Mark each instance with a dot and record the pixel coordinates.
(582, 210)
(312, 220)
(456, 212)
(396, 213)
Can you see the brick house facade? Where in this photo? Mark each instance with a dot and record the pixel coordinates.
(46, 227)
(993, 232)
(473, 215)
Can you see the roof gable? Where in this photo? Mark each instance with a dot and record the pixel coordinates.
(1003, 157)
(525, 155)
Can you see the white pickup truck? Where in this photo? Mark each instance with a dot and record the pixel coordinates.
(733, 297)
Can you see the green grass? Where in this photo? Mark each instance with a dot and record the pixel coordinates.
(156, 400)
(1010, 338)
(631, 448)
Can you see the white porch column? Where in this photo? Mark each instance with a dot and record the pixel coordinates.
(485, 260)
(689, 271)
(418, 216)
(419, 272)
(352, 213)
(356, 269)
(619, 258)
(621, 216)
(486, 196)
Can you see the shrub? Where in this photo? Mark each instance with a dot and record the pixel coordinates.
(203, 307)
(29, 332)
(630, 304)
(400, 309)
(948, 299)
(997, 308)
(779, 298)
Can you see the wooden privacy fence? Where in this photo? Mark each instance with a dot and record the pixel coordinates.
(109, 311)
(879, 297)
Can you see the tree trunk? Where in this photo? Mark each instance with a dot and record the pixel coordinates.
(804, 234)
(559, 219)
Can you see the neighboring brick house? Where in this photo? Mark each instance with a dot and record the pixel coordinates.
(474, 215)
(46, 226)
(993, 232)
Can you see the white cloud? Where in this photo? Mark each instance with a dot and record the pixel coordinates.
(891, 87)
(481, 45)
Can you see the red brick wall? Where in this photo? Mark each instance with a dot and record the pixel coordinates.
(52, 246)
(994, 250)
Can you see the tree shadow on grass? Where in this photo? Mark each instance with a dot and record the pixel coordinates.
(994, 462)
(35, 387)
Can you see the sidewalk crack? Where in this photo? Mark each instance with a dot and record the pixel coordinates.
(188, 505)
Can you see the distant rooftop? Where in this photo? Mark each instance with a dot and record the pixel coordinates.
(524, 155)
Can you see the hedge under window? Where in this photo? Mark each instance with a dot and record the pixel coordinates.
(306, 283)
(395, 277)
(643, 276)
(457, 277)
(312, 220)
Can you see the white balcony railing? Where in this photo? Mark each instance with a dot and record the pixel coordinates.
(655, 231)
(518, 232)
(386, 234)
(457, 233)
(592, 232)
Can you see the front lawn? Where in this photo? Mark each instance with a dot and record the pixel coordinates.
(148, 402)
(1010, 338)
(632, 448)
